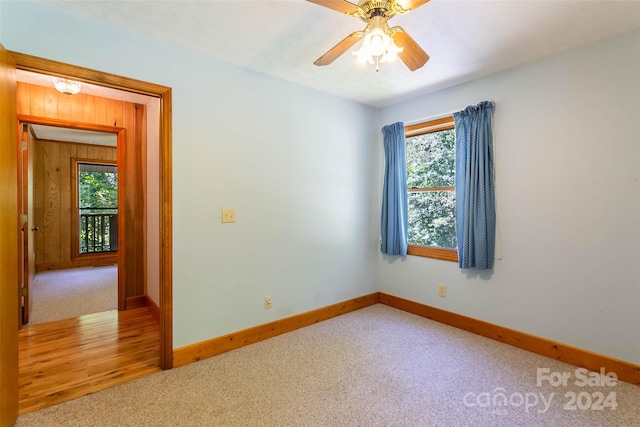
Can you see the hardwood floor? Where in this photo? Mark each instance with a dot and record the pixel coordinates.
(67, 359)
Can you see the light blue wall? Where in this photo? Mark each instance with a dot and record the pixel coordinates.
(303, 170)
(295, 163)
(567, 137)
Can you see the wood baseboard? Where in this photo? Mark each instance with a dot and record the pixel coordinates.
(143, 301)
(92, 262)
(205, 349)
(136, 302)
(625, 371)
(153, 308)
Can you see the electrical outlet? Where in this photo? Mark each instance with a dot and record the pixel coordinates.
(228, 215)
(267, 301)
(442, 290)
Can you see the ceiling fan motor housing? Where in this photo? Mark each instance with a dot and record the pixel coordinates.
(383, 8)
(375, 8)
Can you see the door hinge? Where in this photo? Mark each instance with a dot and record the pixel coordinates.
(24, 218)
(23, 145)
(25, 292)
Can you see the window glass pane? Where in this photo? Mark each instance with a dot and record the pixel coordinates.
(432, 220)
(431, 160)
(98, 189)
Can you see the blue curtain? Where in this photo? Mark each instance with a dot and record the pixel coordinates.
(475, 192)
(394, 221)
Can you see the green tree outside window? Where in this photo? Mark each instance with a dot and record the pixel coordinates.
(431, 181)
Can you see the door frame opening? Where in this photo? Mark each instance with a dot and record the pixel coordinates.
(121, 141)
(165, 232)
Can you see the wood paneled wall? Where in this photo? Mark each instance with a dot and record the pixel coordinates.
(39, 101)
(44, 102)
(54, 201)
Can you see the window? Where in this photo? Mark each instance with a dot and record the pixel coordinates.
(430, 151)
(96, 222)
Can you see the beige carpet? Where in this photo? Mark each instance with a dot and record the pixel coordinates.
(374, 367)
(70, 293)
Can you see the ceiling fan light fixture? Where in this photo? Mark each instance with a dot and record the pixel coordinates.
(377, 40)
(392, 51)
(377, 46)
(66, 86)
(363, 53)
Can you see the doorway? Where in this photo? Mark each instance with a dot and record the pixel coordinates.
(161, 229)
(69, 197)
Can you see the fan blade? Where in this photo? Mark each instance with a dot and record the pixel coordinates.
(340, 48)
(412, 54)
(410, 4)
(340, 5)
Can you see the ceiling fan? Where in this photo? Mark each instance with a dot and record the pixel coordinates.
(380, 43)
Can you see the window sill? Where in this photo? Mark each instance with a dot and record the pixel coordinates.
(433, 252)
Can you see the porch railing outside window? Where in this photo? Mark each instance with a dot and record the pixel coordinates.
(98, 230)
(97, 207)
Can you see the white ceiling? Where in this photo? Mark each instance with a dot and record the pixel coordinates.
(56, 133)
(465, 39)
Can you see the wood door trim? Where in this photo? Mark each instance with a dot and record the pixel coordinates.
(48, 121)
(75, 220)
(60, 69)
(122, 233)
(47, 66)
(9, 234)
(166, 232)
(23, 191)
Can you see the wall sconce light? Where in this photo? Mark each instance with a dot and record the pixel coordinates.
(66, 86)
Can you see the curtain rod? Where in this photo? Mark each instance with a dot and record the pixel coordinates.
(415, 122)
